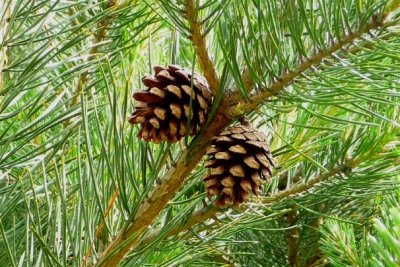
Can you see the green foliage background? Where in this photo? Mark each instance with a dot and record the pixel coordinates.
(66, 150)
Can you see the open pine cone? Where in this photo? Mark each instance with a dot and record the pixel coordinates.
(239, 160)
(170, 107)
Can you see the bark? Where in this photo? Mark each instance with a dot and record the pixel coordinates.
(318, 258)
(293, 238)
(199, 43)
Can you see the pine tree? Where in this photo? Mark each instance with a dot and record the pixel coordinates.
(318, 78)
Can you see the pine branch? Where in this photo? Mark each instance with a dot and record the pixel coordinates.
(247, 81)
(199, 43)
(318, 257)
(239, 109)
(100, 228)
(173, 180)
(101, 135)
(293, 239)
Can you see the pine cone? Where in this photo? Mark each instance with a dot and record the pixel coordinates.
(170, 108)
(239, 159)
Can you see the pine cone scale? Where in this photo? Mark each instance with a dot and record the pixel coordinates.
(160, 113)
(147, 97)
(150, 81)
(175, 91)
(251, 162)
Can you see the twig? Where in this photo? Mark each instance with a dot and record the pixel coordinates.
(293, 238)
(315, 226)
(199, 43)
(247, 81)
(238, 109)
(100, 228)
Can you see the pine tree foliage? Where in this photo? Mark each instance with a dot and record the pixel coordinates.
(320, 78)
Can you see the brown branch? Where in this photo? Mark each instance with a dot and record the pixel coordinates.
(315, 226)
(199, 43)
(100, 228)
(247, 81)
(239, 109)
(293, 238)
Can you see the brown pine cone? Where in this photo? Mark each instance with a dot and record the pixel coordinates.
(171, 107)
(239, 160)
